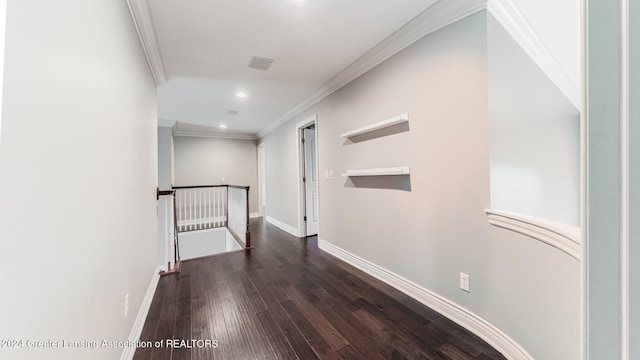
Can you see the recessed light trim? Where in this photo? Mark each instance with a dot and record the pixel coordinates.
(242, 95)
(223, 126)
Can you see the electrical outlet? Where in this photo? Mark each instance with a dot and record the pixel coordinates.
(464, 282)
(126, 305)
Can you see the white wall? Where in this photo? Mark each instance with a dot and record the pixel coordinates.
(164, 157)
(612, 178)
(281, 173)
(437, 229)
(206, 161)
(634, 178)
(557, 23)
(3, 20)
(534, 134)
(78, 176)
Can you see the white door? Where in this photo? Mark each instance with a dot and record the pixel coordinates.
(311, 181)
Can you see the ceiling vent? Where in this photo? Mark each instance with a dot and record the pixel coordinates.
(260, 63)
(232, 112)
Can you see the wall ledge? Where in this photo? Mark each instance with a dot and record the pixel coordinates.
(561, 236)
(462, 316)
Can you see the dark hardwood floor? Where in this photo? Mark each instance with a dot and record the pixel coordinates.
(287, 299)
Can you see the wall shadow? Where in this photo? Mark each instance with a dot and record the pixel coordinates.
(391, 130)
(391, 182)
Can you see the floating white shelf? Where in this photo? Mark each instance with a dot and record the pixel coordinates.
(404, 170)
(377, 126)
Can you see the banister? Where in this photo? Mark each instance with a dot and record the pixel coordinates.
(186, 221)
(162, 192)
(247, 237)
(197, 186)
(210, 186)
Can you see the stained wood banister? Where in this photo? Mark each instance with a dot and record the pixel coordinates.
(208, 186)
(172, 267)
(197, 186)
(247, 232)
(163, 192)
(247, 239)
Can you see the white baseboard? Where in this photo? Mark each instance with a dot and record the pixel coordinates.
(136, 330)
(254, 215)
(464, 317)
(286, 227)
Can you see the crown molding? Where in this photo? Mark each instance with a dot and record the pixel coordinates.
(517, 26)
(141, 15)
(437, 16)
(440, 14)
(215, 136)
(166, 123)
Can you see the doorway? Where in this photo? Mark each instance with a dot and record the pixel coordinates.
(308, 171)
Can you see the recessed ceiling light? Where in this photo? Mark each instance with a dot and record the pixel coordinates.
(223, 126)
(241, 95)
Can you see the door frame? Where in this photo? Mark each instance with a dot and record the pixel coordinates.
(302, 226)
(262, 179)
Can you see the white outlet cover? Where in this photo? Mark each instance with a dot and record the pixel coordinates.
(126, 305)
(465, 282)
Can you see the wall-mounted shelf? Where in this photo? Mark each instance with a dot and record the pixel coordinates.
(403, 170)
(377, 126)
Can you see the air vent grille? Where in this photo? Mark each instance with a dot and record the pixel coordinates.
(260, 63)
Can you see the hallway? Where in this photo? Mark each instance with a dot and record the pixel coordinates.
(287, 299)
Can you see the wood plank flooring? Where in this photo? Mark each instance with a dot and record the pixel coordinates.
(287, 299)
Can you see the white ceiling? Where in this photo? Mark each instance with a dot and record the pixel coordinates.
(206, 45)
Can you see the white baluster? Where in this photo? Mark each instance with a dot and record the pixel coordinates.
(216, 207)
(181, 204)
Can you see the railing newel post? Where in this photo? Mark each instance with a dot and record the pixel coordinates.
(248, 232)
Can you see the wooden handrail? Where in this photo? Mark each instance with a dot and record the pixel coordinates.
(162, 192)
(197, 186)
